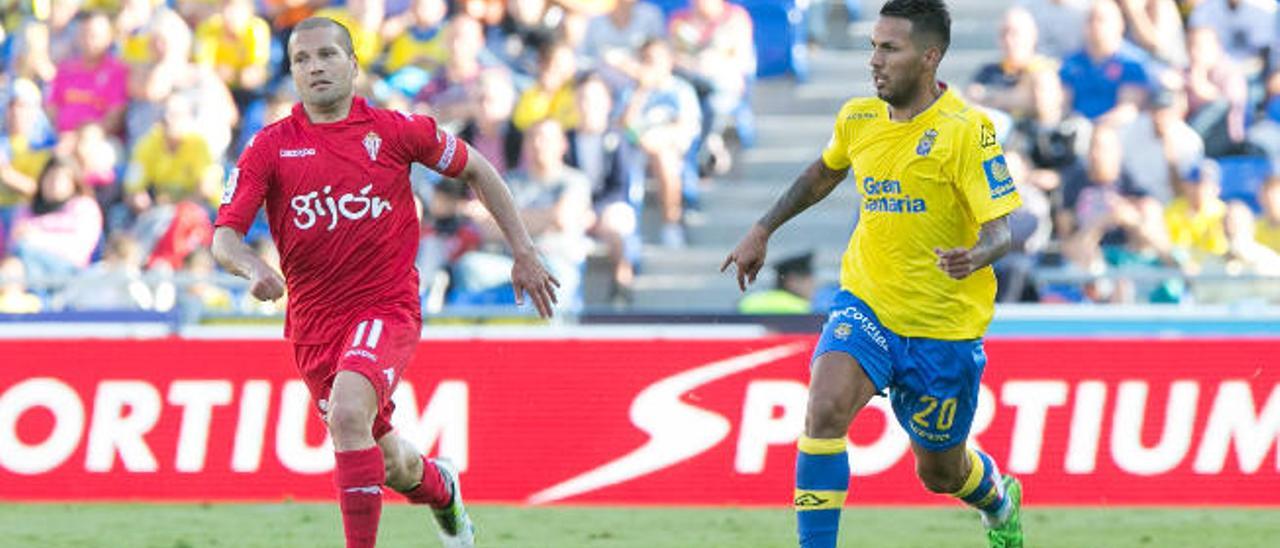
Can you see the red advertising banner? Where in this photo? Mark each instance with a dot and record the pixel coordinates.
(633, 421)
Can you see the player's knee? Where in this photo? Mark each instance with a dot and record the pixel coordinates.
(828, 416)
(939, 479)
(346, 420)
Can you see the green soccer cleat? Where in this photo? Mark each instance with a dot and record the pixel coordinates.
(1009, 533)
(456, 530)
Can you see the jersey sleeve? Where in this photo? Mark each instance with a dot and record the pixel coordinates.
(246, 186)
(983, 176)
(836, 154)
(431, 146)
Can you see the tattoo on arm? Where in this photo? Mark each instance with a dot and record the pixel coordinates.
(810, 187)
(994, 240)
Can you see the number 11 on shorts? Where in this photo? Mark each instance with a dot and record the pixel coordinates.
(374, 328)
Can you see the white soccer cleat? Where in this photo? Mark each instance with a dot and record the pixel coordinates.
(456, 529)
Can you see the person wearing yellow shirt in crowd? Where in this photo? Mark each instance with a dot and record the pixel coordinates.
(1195, 219)
(14, 297)
(363, 19)
(171, 163)
(552, 94)
(417, 49)
(236, 43)
(27, 145)
(791, 295)
(1267, 229)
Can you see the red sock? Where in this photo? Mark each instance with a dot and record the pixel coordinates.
(432, 490)
(359, 476)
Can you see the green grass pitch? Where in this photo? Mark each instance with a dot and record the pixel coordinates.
(317, 525)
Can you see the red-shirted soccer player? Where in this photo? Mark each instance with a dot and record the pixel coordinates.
(335, 180)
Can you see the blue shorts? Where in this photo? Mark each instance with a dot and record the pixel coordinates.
(932, 384)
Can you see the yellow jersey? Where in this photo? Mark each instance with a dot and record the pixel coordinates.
(1268, 233)
(248, 47)
(928, 183)
(177, 172)
(1202, 233)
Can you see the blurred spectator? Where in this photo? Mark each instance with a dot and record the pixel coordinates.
(363, 19)
(1196, 218)
(1247, 28)
(599, 148)
(14, 297)
(26, 146)
(551, 95)
(714, 49)
(1105, 82)
(662, 119)
(172, 163)
(450, 95)
(1217, 94)
(1156, 27)
(91, 87)
(447, 235)
(416, 47)
(33, 60)
(114, 283)
(1158, 145)
(134, 24)
(64, 28)
(554, 201)
(98, 158)
(1245, 255)
(236, 44)
(1016, 84)
(613, 39)
(489, 130)
(792, 292)
(1267, 228)
(170, 72)
(1116, 223)
(56, 235)
(527, 28)
(1061, 24)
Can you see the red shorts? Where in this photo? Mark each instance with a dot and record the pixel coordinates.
(377, 346)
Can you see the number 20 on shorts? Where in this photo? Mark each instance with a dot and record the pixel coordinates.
(945, 417)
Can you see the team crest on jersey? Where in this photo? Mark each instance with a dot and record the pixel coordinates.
(372, 142)
(926, 142)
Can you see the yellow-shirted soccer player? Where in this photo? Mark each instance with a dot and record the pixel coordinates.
(917, 286)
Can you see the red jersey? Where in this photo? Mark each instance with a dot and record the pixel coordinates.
(341, 211)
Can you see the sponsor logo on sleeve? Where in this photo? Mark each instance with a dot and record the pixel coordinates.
(998, 178)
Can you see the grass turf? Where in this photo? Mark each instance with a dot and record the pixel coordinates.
(317, 525)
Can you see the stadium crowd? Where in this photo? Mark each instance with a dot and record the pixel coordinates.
(123, 117)
(1142, 135)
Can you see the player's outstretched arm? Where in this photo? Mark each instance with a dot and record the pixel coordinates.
(238, 258)
(810, 187)
(994, 240)
(528, 275)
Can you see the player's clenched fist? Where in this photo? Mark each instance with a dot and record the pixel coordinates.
(266, 284)
(957, 263)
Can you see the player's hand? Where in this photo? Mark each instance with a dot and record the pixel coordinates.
(957, 263)
(265, 284)
(748, 257)
(529, 276)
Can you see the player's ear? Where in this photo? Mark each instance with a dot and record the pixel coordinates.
(933, 56)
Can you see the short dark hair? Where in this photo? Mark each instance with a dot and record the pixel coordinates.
(344, 35)
(929, 18)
